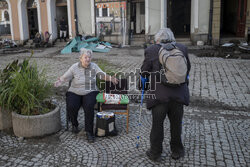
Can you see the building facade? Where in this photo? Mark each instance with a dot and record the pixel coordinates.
(121, 21)
(124, 21)
(27, 17)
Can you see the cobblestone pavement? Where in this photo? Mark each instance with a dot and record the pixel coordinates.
(215, 126)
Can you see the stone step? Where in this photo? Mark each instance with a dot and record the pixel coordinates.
(138, 36)
(187, 43)
(30, 41)
(137, 42)
(184, 41)
(140, 41)
(227, 40)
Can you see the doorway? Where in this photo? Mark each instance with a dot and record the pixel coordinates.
(179, 14)
(29, 18)
(233, 18)
(137, 17)
(61, 12)
(32, 18)
(56, 10)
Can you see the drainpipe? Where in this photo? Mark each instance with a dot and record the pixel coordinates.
(210, 22)
(76, 19)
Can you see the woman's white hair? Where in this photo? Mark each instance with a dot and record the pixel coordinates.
(164, 35)
(84, 51)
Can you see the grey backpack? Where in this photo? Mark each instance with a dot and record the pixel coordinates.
(174, 66)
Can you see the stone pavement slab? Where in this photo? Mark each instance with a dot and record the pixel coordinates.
(215, 126)
(211, 138)
(222, 82)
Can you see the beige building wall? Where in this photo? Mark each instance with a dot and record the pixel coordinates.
(84, 23)
(15, 21)
(216, 22)
(44, 16)
(152, 16)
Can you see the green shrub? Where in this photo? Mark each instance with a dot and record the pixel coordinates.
(105, 66)
(24, 88)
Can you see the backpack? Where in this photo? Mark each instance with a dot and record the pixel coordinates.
(173, 66)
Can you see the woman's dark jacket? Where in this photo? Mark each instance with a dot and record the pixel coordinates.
(150, 69)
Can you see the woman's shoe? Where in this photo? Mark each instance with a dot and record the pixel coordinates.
(153, 157)
(176, 155)
(75, 129)
(90, 137)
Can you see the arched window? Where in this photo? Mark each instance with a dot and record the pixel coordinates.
(4, 18)
(3, 8)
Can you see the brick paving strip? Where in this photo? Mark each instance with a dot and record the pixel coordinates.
(216, 125)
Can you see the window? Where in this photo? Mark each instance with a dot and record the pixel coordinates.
(142, 8)
(104, 12)
(97, 12)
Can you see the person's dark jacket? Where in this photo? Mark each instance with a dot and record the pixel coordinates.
(150, 69)
(63, 25)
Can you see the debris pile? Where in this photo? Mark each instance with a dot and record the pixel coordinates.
(87, 42)
(242, 47)
(7, 43)
(40, 40)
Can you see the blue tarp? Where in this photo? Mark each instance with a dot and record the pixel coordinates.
(81, 45)
(92, 43)
(68, 48)
(91, 39)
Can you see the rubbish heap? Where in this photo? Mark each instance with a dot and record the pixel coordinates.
(88, 42)
(7, 43)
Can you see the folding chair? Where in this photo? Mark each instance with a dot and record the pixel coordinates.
(67, 114)
(120, 88)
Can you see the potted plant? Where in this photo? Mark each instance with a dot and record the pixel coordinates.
(25, 92)
(5, 115)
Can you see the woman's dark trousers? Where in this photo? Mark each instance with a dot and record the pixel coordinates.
(73, 104)
(174, 111)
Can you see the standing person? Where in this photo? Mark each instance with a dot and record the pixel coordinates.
(168, 101)
(63, 29)
(83, 90)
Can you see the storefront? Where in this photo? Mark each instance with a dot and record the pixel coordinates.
(111, 20)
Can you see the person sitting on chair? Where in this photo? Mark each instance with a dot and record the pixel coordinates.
(83, 90)
(38, 38)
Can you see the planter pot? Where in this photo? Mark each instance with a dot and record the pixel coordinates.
(37, 125)
(5, 120)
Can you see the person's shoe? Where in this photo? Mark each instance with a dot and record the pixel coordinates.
(90, 137)
(152, 157)
(75, 129)
(176, 155)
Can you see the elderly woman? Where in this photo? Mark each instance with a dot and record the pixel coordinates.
(168, 100)
(83, 90)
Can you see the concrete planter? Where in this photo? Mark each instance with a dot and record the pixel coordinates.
(37, 125)
(5, 120)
